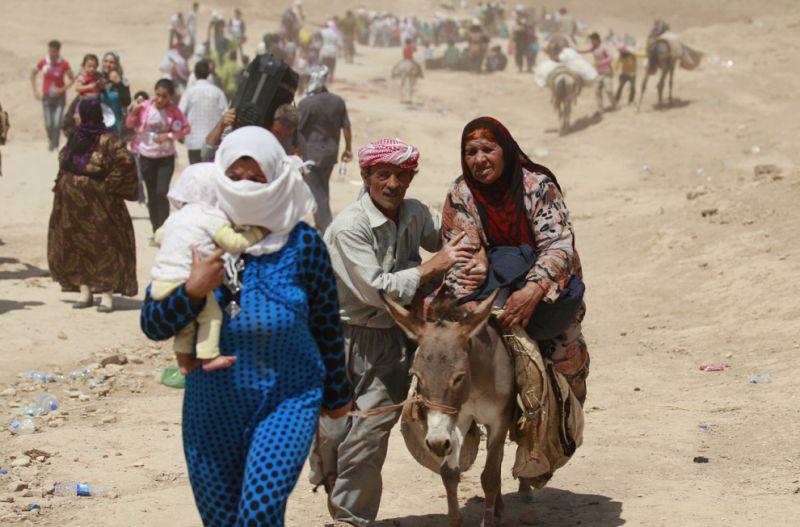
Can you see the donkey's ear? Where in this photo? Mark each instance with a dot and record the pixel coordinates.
(478, 318)
(412, 325)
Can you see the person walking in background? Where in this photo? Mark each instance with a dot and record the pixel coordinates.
(158, 123)
(90, 243)
(217, 27)
(5, 125)
(626, 65)
(331, 44)
(229, 72)
(237, 31)
(58, 78)
(203, 105)
(191, 25)
(133, 148)
(117, 93)
(602, 63)
(323, 116)
(348, 27)
(524, 38)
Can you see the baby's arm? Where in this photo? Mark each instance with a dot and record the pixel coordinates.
(234, 242)
(158, 236)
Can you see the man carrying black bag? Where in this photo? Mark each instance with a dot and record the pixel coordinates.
(322, 115)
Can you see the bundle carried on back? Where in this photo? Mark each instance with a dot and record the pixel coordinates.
(688, 58)
(569, 60)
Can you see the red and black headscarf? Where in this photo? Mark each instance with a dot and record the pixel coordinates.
(501, 204)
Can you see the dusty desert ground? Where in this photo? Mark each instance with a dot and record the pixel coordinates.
(670, 288)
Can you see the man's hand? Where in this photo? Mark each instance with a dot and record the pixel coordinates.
(347, 155)
(114, 77)
(520, 305)
(228, 118)
(451, 254)
(206, 275)
(472, 275)
(337, 413)
(38, 95)
(160, 138)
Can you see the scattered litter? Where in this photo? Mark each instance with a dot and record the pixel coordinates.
(755, 149)
(79, 489)
(700, 172)
(343, 172)
(712, 367)
(24, 426)
(647, 169)
(767, 170)
(704, 426)
(700, 459)
(696, 193)
(33, 507)
(3, 472)
(759, 379)
(171, 376)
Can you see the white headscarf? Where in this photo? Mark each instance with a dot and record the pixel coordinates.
(277, 205)
(196, 184)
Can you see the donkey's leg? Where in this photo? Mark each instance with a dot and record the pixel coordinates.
(661, 83)
(450, 478)
(644, 87)
(490, 477)
(671, 77)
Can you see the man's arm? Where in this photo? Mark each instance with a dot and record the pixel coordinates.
(347, 155)
(35, 73)
(214, 137)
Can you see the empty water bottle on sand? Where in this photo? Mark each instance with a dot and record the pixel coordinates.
(24, 425)
(342, 172)
(42, 404)
(79, 489)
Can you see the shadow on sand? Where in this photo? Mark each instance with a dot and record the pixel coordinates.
(548, 508)
(13, 305)
(120, 303)
(28, 271)
(674, 105)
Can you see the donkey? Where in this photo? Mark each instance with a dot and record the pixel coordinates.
(659, 57)
(565, 87)
(465, 376)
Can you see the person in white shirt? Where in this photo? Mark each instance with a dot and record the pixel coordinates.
(203, 105)
(191, 24)
(331, 44)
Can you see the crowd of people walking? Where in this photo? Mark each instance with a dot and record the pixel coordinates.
(281, 327)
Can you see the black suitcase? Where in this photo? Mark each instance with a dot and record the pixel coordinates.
(266, 83)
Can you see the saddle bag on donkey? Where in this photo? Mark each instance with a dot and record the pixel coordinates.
(548, 421)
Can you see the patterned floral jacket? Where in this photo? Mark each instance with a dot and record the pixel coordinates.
(557, 259)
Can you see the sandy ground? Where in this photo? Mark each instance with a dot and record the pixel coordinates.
(669, 287)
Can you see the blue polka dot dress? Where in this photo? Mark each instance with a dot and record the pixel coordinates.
(247, 430)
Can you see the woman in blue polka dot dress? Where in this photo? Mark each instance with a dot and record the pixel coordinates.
(247, 430)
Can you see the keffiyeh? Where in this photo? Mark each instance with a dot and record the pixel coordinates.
(390, 152)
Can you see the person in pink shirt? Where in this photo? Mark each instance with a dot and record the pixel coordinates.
(58, 77)
(603, 64)
(158, 123)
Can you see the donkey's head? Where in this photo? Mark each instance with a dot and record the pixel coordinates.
(442, 364)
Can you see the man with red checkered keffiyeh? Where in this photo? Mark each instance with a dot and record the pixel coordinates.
(374, 246)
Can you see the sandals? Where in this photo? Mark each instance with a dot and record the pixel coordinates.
(83, 304)
(104, 309)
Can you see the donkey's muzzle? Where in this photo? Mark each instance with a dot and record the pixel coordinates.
(440, 447)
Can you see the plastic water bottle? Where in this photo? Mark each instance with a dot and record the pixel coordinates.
(343, 172)
(24, 426)
(42, 404)
(79, 489)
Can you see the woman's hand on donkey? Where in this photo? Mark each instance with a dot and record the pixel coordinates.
(207, 274)
(520, 305)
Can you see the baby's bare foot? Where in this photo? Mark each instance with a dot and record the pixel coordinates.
(186, 363)
(218, 363)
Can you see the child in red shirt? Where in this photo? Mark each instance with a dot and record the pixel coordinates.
(89, 82)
